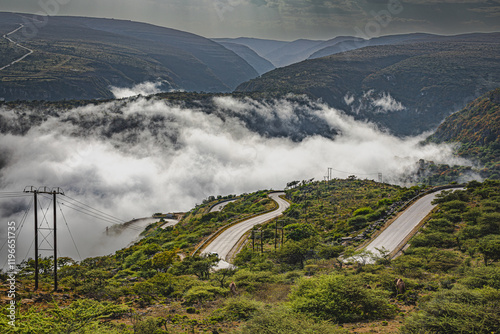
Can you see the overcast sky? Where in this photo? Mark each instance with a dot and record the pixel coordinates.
(285, 20)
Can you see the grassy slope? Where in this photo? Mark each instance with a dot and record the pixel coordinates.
(442, 267)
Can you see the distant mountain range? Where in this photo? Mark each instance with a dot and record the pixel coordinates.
(407, 88)
(261, 65)
(80, 58)
(281, 53)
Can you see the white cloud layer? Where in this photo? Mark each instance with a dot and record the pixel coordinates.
(144, 89)
(137, 158)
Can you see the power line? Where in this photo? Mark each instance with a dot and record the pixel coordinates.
(18, 231)
(353, 172)
(70, 234)
(112, 222)
(94, 209)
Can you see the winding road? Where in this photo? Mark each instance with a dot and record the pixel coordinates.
(223, 244)
(220, 206)
(17, 44)
(394, 235)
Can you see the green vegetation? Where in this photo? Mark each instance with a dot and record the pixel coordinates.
(477, 129)
(451, 272)
(82, 57)
(429, 80)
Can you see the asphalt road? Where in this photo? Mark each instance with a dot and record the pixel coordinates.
(223, 244)
(391, 237)
(221, 206)
(169, 222)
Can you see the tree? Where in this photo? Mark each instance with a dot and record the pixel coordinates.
(300, 231)
(196, 265)
(490, 248)
(162, 261)
(295, 253)
(340, 299)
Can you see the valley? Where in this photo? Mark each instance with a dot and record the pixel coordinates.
(324, 182)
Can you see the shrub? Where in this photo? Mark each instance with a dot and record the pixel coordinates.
(250, 279)
(199, 294)
(281, 320)
(340, 299)
(330, 252)
(300, 231)
(434, 239)
(148, 326)
(458, 310)
(362, 211)
(440, 225)
(482, 277)
(79, 317)
(357, 222)
(240, 308)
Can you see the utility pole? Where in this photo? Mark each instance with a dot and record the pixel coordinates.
(54, 192)
(253, 240)
(276, 237)
(261, 241)
(55, 241)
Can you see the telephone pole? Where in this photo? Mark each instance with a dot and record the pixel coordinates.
(54, 192)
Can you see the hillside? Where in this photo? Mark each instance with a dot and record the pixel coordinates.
(352, 44)
(477, 129)
(261, 46)
(450, 270)
(261, 65)
(407, 89)
(76, 57)
(281, 53)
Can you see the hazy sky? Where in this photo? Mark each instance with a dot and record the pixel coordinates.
(285, 20)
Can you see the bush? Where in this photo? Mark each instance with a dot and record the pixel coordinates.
(340, 299)
(362, 211)
(458, 310)
(240, 308)
(434, 239)
(330, 252)
(148, 326)
(440, 225)
(280, 320)
(483, 277)
(300, 231)
(250, 279)
(199, 294)
(81, 316)
(357, 222)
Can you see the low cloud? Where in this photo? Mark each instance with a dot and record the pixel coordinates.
(144, 89)
(134, 158)
(387, 103)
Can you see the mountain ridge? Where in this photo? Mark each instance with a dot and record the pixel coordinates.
(406, 88)
(89, 55)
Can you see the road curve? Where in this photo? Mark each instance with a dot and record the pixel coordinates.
(223, 244)
(395, 234)
(220, 206)
(17, 44)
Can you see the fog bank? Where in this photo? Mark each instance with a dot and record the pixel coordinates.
(132, 158)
